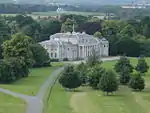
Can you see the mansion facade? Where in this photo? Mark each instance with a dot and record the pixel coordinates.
(74, 46)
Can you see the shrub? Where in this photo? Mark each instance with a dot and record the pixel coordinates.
(125, 75)
(124, 62)
(12, 69)
(82, 69)
(54, 60)
(137, 82)
(108, 82)
(70, 78)
(40, 55)
(65, 59)
(94, 74)
(142, 66)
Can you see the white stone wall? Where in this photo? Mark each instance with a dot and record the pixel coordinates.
(74, 47)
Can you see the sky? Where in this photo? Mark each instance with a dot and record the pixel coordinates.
(102, 2)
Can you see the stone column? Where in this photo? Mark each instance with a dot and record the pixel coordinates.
(86, 51)
(78, 52)
(82, 51)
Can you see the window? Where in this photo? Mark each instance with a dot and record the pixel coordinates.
(82, 40)
(51, 55)
(51, 49)
(68, 49)
(104, 45)
(55, 55)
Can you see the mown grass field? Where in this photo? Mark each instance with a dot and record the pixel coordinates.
(31, 84)
(9, 104)
(87, 100)
(59, 101)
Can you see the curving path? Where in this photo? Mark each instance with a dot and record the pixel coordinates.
(35, 103)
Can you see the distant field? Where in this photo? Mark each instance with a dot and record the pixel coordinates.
(54, 13)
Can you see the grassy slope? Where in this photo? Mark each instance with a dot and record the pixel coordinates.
(88, 100)
(9, 104)
(59, 101)
(31, 84)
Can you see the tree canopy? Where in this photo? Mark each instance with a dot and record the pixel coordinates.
(70, 78)
(108, 82)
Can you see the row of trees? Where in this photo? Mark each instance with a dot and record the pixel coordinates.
(93, 74)
(90, 73)
(20, 53)
(127, 76)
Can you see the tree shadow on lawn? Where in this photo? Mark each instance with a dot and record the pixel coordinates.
(73, 90)
(115, 94)
(146, 90)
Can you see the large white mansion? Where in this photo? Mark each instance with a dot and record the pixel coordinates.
(75, 46)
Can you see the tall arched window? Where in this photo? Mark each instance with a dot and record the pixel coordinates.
(55, 55)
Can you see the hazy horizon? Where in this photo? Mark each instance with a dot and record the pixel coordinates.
(100, 2)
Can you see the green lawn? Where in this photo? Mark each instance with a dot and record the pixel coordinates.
(9, 104)
(59, 101)
(87, 100)
(31, 84)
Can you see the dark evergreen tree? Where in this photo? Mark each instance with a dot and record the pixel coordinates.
(70, 78)
(124, 62)
(108, 82)
(40, 55)
(125, 75)
(137, 82)
(95, 74)
(82, 69)
(142, 66)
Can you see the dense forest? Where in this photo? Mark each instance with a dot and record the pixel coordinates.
(130, 37)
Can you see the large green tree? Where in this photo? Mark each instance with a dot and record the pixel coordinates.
(82, 69)
(70, 78)
(69, 25)
(98, 34)
(122, 63)
(49, 27)
(40, 55)
(5, 33)
(125, 75)
(142, 65)
(12, 69)
(19, 46)
(137, 82)
(128, 31)
(127, 46)
(94, 74)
